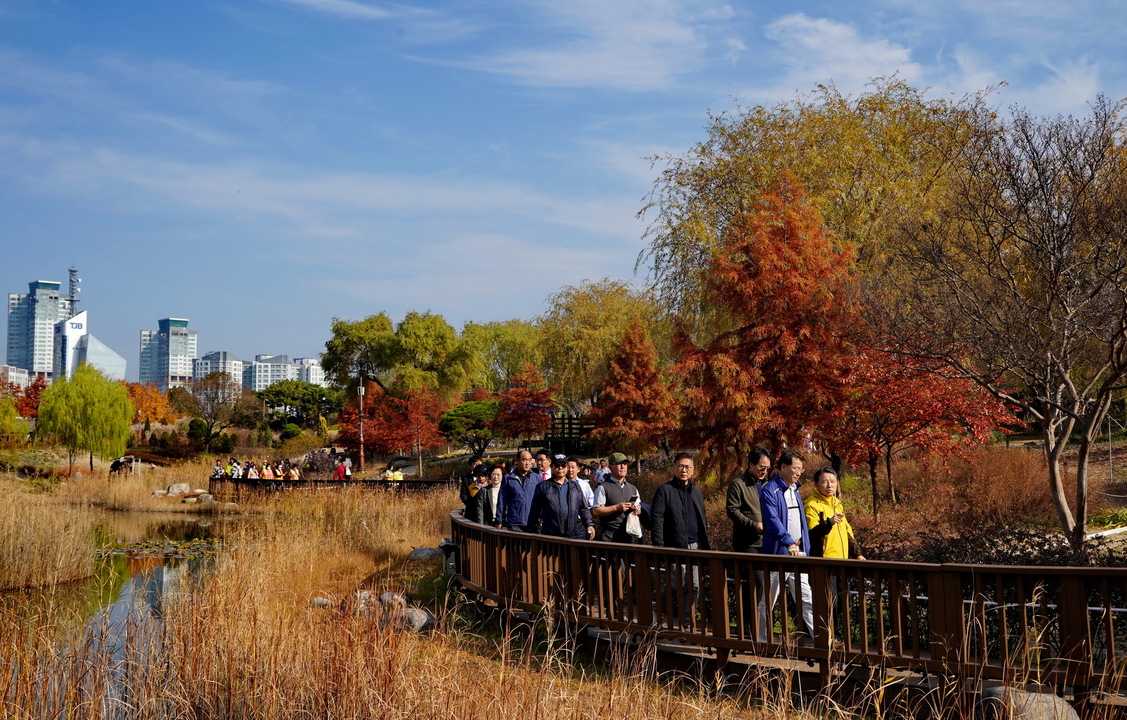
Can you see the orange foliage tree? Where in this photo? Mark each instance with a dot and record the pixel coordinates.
(636, 410)
(897, 404)
(783, 361)
(150, 403)
(526, 408)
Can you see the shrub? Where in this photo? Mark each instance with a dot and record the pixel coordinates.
(290, 431)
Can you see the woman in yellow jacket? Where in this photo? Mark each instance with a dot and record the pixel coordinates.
(830, 533)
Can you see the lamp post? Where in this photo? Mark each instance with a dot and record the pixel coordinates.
(360, 392)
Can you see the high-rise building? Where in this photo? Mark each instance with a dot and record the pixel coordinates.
(167, 354)
(218, 361)
(32, 317)
(75, 345)
(267, 370)
(310, 370)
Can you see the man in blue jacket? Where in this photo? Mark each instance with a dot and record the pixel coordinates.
(785, 533)
(515, 499)
(558, 507)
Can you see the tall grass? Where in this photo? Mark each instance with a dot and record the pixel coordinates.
(42, 542)
(240, 640)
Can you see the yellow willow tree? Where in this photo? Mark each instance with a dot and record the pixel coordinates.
(580, 329)
(87, 412)
(862, 162)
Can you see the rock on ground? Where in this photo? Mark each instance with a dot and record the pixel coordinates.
(178, 489)
(418, 620)
(424, 553)
(1007, 703)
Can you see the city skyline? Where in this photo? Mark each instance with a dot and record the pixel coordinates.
(263, 167)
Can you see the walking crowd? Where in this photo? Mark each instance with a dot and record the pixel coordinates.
(250, 470)
(558, 495)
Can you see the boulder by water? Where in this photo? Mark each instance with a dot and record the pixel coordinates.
(178, 489)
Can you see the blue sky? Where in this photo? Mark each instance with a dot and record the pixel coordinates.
(261, 166)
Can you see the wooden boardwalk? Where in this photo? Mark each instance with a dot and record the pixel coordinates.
(1065, 627)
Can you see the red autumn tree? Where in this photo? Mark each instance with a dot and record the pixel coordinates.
(422, 409)
(384, 426)
(393, 425)
(782, 360)
(479, 394)
(526, 408)
(27, 398)
(636, 410)
(896, 404)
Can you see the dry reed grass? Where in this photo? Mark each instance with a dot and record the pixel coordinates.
(42, 542)
(241, 641)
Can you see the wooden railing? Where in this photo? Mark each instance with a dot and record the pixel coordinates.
(1059, 625)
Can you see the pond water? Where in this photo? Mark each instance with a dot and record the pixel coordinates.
(142, 558)
(131, 549)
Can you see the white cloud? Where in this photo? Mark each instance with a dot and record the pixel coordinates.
(312, 204)
(343, 8)
(819, 50)
(624, 45)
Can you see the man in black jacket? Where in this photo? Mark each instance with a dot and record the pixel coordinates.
(678, 522)
(558, 506)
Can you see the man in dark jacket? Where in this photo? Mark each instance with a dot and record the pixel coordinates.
(558, 507)
(743, 510)
(742, 503)
(678, 522)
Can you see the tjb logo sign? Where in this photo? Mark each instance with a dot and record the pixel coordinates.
(75, 326)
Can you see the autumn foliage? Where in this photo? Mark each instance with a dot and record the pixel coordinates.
(150, 403)
(526, 408)
(897, 404)
(394, 424)
(25, 398)
(784, 363)
(636, 410)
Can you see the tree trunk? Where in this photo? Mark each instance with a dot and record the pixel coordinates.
(888, 474)
(1054, 449)
(873, 460)
(91, 462)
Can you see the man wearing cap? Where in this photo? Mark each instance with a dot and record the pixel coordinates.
(615, 499)
(558, 507)
(515, 499)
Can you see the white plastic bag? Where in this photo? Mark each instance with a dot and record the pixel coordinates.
(633, 525)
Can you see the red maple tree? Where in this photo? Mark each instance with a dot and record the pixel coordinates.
(895, 404)
(26, 398)
(782, 361)
(392, 424)
(636, 410)
(422, 410)
(526, 408)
